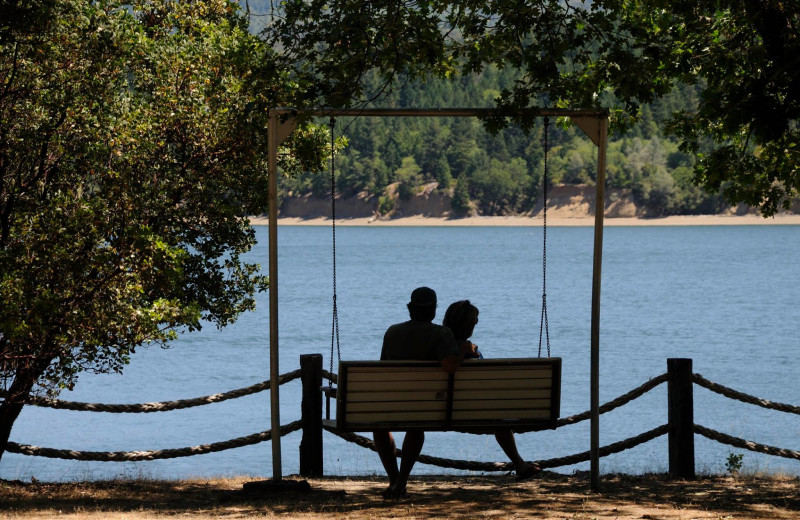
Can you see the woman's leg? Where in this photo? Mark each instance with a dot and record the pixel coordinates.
(505, 438)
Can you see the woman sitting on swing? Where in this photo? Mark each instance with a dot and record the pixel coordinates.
(461, 318)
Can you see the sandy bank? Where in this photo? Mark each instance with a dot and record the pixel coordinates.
(693, 220)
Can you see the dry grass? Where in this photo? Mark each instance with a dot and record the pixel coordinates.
(649, 497)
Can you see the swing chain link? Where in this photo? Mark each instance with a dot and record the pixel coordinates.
(543, 322)
(335, 320)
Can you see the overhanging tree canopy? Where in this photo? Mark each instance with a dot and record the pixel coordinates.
(132, 147)
(607, 53)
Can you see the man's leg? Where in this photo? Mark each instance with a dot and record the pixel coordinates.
(505, 438)
(412, 447)
(387, 451)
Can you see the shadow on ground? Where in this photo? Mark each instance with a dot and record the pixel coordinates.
(551, 496)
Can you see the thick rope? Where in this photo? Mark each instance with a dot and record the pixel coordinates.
(263, 436)
(745, 398)
(364, 442)
(13, 447)
(608, 450)
(573, 419)
(333, 378)
(163, 406)
(616, 403)
(745, 444)
(128, 456)
(507, 466)
(649, 385)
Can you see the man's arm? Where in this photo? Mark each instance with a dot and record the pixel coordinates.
(455, 354)
(451, 363)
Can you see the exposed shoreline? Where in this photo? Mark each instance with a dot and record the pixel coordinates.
(417, 221)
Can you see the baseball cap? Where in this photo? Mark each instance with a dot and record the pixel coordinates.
(423, 296)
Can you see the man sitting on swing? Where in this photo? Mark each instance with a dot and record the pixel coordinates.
(416, 339)
(422, 340)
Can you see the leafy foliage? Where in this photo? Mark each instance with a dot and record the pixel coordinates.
(331, 45)
(733, 464)
(620, 55)
(748, 56)
(132, 145)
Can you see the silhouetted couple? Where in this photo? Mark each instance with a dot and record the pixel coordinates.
(421, 339)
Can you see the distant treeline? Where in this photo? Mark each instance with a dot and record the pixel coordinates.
(502, 174)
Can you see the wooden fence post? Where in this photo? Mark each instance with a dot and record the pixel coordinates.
(311, 415)
(681, 418)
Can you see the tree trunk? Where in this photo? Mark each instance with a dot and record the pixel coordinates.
(9, 411)
(14, 402)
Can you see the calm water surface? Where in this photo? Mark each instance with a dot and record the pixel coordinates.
(724, 296)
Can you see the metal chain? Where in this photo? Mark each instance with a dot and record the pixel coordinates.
(543, 322)
(335, 320)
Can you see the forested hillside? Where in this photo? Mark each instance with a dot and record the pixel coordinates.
(502, 174)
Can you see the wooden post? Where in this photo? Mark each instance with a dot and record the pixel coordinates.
(681, 418)
(594, 370)
(311, 443)
(274, 372)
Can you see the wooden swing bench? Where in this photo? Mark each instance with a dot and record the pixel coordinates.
(520, 394)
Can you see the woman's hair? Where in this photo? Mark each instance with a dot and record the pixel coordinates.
(461, 318)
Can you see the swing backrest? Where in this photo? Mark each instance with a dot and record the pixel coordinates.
(483, 394)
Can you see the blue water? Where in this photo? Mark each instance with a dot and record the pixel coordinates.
(724, 296)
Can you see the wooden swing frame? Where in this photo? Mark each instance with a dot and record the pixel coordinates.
(594, 123)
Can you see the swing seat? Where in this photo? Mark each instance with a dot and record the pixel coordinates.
(519, 394)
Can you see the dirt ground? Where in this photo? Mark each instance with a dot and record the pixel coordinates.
(552, 496)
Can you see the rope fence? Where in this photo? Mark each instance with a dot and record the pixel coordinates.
(745, 444)
(616, 403)
(468, 465)
(745, 398)
(164, 406)
(127, 456)
(333, 378)
(131, 456)
(605, 408)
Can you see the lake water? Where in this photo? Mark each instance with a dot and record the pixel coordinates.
(727, 297)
